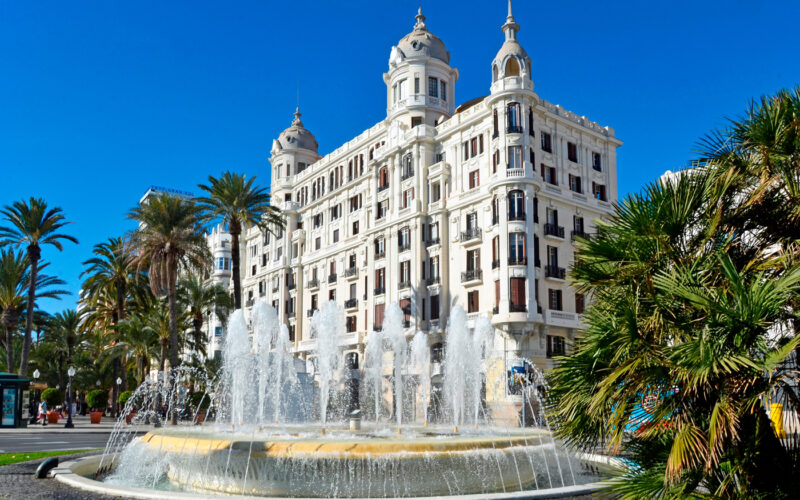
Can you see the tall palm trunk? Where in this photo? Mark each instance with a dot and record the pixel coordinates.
(236, 229)
(9, 348)
(33, 258)
(173, 331)
(120, 317)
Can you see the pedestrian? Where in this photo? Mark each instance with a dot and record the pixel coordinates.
(43, 412)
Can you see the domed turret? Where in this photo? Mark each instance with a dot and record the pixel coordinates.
(296, 137)
(511, 60)
(420, 80)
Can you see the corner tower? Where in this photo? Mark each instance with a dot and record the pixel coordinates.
(420, 84)
(293, 151)
(511, 68)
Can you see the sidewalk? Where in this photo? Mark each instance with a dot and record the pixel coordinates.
(82, 425)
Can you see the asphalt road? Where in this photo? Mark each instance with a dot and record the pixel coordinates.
(51, 442)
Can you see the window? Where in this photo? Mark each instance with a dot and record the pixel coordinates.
(443, 89)
(380, 247)
(433, 232)
(436, 192)
(513, 118)
(218, 331)
(516, 248)
(495, 210)
(433, 87)
(352, 291)
(496, 296)
(383, 177)
(577, 224)
(473, 302)
(474, 260)
(552, 256)
(416, 121)
(530, 121)
(336, 212)
(416, 85)
(408, 197)
(351, 324)
(532, 158)
(575, 184)
(549, 175)
(495, 131)
(314, 302)
(401, 89)
(472, 221)
(514, 157)
(317, 220)
(336, 236)
(332, 294)
(434, 307)
(405, 272)
(355, 202)
(552, 216)
(355, 228)
(572, 152)
(599, 191)
(434, 267)
(516, 205)
(495, 252)
(474, 179)
(495, 160)
(404, 238)
(554, 299)
(380, 278)
(317, 243)
(547, 144)
(382, 210)
(518, 295)
(536, 251)
(555, 346)
(535, 209)
(379, 308)
(473, 147)
(579, 303)
(596, 164)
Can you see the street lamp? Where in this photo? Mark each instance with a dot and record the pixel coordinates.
(71, 373)
(36, 374)
(116, 396)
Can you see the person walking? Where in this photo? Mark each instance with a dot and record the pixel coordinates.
(43, 412)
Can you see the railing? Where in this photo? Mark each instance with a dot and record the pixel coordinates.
(517, 308)
(514, 171)
(495, 263)
(275, 288)
(350, 272)
(554, 272)
(539, 309)
(516, 216)
(578, 234)
(379, 290)
(332, 278)
(402, 247)
(249, 303)
(383, 188)
(313, 283)
(406, 174)
(350, 303)
(377, 328)
(263, 292)
(310, 312)
(517, 261)
(495, 310)
(471, 234)
(404, 284)
(291, 314)
(471, 275)
(292, 286)
(537, 262)
(495, 220)
(495, 134)
(380, 255)
(553, 230)
(432, 281)
(514, 129)
(433, 241)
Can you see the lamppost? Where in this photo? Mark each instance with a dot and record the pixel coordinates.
(36, 374)
(115, 402)
(71, 373)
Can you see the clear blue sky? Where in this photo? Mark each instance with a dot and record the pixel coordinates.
(99, 100)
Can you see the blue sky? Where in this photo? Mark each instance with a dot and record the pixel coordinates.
(99, 100)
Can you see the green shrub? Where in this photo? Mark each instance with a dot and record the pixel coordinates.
(200, 401)
(124, 397)
(97, 399)
(52, 397)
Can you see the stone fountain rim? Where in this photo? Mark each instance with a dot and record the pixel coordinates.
(73, 473)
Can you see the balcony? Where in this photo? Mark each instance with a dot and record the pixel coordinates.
(495, 263)
(249, 303)
(380, 290)
(332, 278)
(407, 173)
(517, 261)
(310, 312)
(495, 134)
(404, 284)
(554, 272)
(553, 230)
(377, 328)
(275, 288)
(471, 275)
(578, 234)
(514, 216)
(473, 233)
(380, 254)
(351, 272)
(383, 188)
(262, 292)
(350, 303)
(432, 281)
(514, 129)
(313, 284)
(291, 314)
(291, 286)
(495, 220)
(404, 247)
(433, 241)
(517, 308)
(495, 310)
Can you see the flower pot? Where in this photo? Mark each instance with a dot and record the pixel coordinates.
(130, 416)
(200, 417)
(95, 416)
(52, 417)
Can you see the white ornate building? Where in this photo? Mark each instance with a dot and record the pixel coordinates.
(440, 205)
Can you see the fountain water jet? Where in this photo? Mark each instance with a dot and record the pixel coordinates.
(393, 329)
(326, 326)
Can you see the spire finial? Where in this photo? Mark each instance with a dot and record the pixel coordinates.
(511, 27)
(510, 14)
(420, 17)
(297, 116)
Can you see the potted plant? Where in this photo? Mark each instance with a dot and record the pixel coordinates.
(200, 401)
(97, 401)
(53, 398)
(123, 399)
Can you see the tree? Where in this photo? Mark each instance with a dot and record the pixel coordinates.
(14, 280)
(32, 225)
(201, 298)
(694, 290)
(169, 238)
(238, 203)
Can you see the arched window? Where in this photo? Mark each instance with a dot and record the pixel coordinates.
(494, 72)
(383, 178)
(516, 205)
(512, 67)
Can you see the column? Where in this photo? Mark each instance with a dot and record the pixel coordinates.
(530, 268)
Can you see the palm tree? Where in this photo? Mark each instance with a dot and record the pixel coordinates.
(201, 298)
(169, 238)
(65, 329)
(138, 343)
(32, 225)
(238, 203)
(14, 280)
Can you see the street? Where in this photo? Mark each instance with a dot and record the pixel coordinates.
(11, 443)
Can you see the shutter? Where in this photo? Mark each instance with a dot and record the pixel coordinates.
(514, 292)
(405, 305)
(497, 293)
(379, 314)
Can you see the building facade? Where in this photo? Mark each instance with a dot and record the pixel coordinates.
(440, 205)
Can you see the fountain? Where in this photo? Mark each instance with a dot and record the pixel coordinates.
(262, 438)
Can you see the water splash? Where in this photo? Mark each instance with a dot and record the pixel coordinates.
(326, 326)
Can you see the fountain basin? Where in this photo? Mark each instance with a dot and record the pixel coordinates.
(303, 462)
